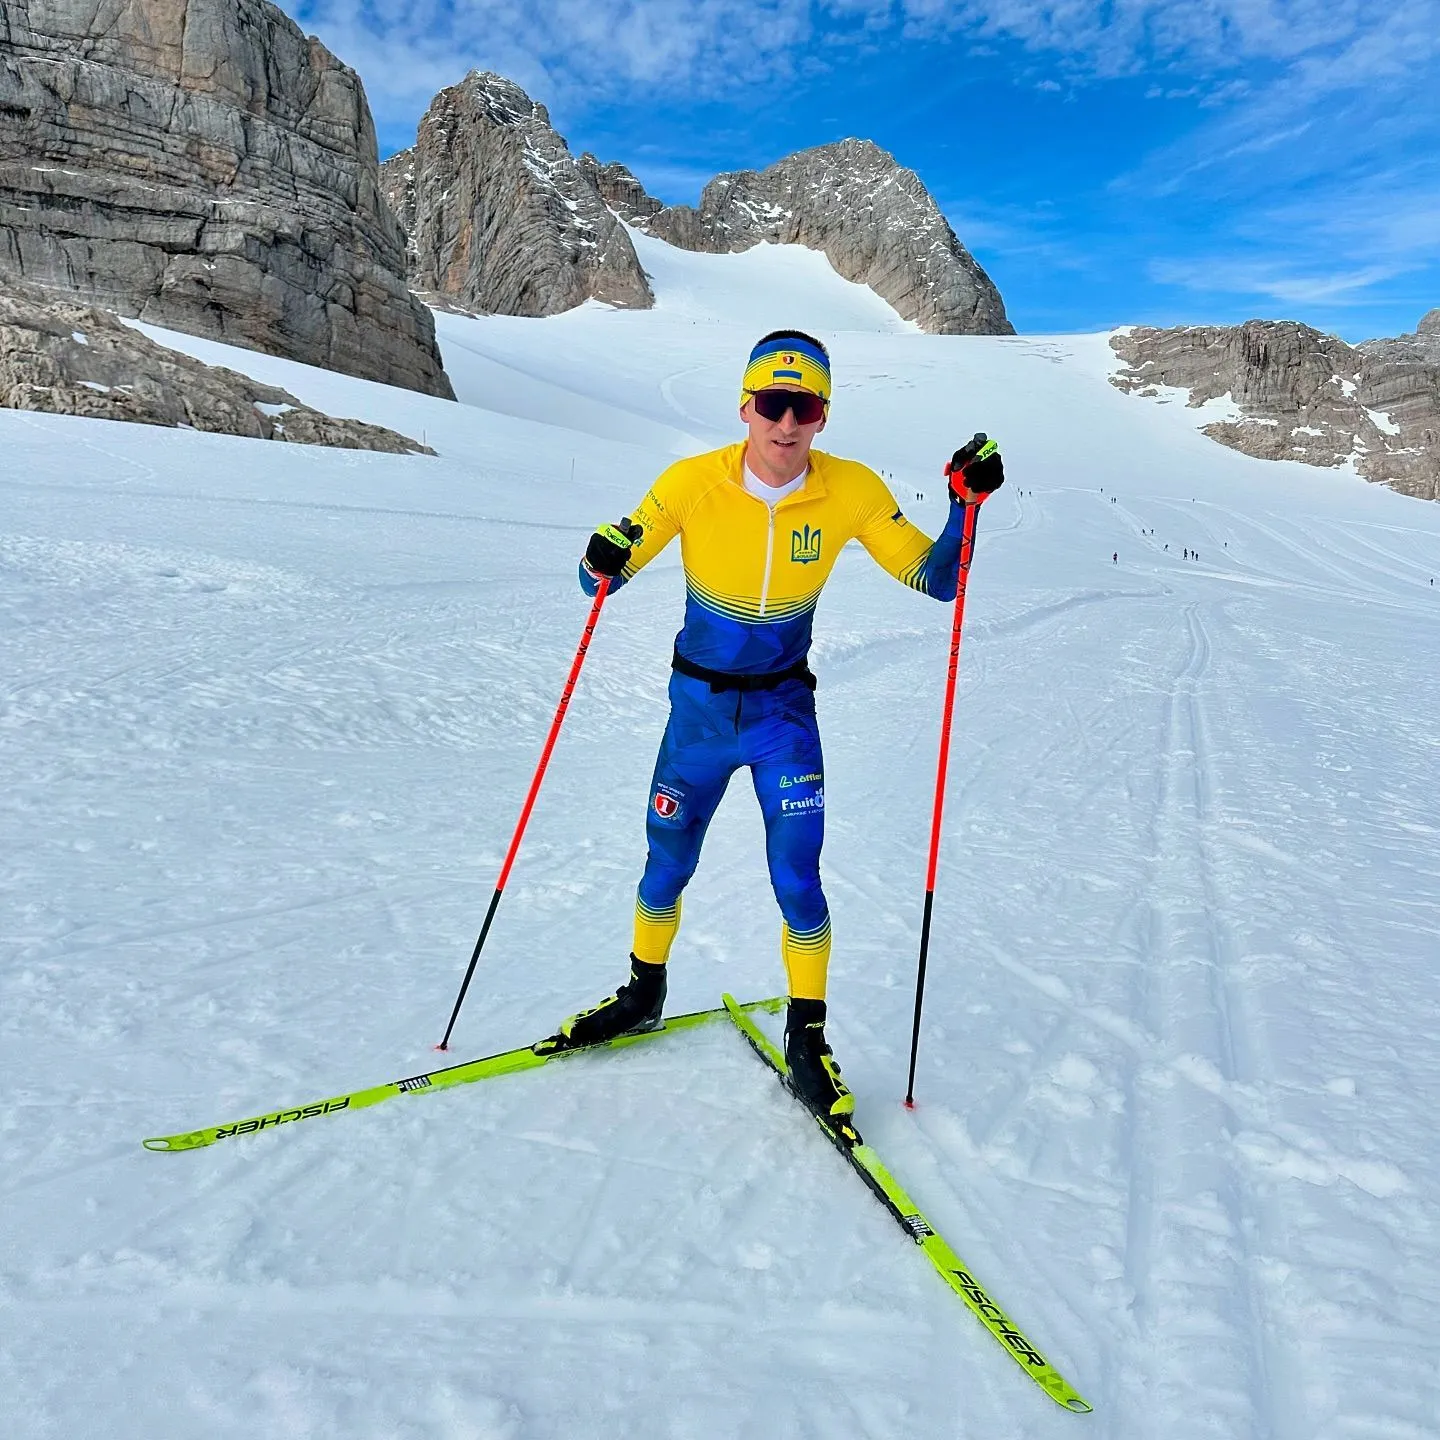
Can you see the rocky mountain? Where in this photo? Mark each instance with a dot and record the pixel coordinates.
(620, 190)
(69, 358)
(203, 165)
(874, 220)
(1402, 378)
(1301, 395)
(500, 216)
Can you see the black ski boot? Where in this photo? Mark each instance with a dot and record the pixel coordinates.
(634, 1008)
(814, 1075)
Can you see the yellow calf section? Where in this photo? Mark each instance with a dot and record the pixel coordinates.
(655, 932)
(807, 960)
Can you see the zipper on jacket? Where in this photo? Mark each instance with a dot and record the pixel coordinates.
(769, 557)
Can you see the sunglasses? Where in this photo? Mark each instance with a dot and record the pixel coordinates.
(772, 405)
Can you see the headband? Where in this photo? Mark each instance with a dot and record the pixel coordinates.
(787, 361)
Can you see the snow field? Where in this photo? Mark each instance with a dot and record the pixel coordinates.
(267, 715)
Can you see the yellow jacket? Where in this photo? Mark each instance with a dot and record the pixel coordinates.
(754, 571)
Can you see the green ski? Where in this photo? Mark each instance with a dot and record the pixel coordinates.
(883, 1185)
(509, 1062)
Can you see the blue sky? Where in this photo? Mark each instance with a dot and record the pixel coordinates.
(1131, 161)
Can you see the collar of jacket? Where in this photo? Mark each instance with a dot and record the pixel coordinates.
(814, 487)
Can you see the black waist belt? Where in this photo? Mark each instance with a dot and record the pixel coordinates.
(725, 680)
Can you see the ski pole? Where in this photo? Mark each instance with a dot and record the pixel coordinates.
(529, 805)
(976, 449)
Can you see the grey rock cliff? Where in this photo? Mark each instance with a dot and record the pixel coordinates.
(1401, 377)
(1304, 395)
(203, 165)
(500, 216)
(873, 219)
(68, 358)
(619, 189)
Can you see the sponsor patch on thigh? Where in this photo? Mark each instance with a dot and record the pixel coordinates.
(802, 792)
(667, 803)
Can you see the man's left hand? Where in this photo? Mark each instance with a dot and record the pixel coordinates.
(975, 472)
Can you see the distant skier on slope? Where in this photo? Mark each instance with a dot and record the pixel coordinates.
(761, 524)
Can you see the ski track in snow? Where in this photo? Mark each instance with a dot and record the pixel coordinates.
(268, 714)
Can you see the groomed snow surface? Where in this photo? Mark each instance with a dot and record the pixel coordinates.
(267, 717)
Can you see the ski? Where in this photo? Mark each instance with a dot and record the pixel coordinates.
(883, 1185)
(508, 1062)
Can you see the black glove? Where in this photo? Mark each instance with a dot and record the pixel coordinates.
(975, 469)
(609, 547)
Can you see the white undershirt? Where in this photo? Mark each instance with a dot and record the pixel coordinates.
(773, 494)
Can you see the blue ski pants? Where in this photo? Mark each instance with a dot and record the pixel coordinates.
(710, 735)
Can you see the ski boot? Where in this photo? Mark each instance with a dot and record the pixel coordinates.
(631, 1010)
(814, 1076)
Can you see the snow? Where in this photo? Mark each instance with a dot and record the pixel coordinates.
(1382, 422)
(1219, 409)
(267, 717)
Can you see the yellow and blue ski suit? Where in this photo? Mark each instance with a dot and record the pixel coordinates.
(753, 575)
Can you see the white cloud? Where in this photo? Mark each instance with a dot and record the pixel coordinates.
(1129, 37)
(561, 48)
(1326, 169)
(1035, 232)
(1390, 217)
(1225, 276)
(712, 47)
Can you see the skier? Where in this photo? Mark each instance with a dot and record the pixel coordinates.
(761, 523)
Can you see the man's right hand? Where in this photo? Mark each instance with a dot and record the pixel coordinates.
(609, 548)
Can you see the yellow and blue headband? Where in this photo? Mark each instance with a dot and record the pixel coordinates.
(788, 361)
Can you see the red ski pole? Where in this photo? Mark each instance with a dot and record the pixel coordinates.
(529, 801)
(977, 449)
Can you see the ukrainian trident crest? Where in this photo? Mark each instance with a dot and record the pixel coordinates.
(805, 545)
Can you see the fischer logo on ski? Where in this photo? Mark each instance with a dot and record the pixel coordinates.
(281, 1117)
(1004, 1327)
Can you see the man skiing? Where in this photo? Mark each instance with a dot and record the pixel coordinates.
(760, 523)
